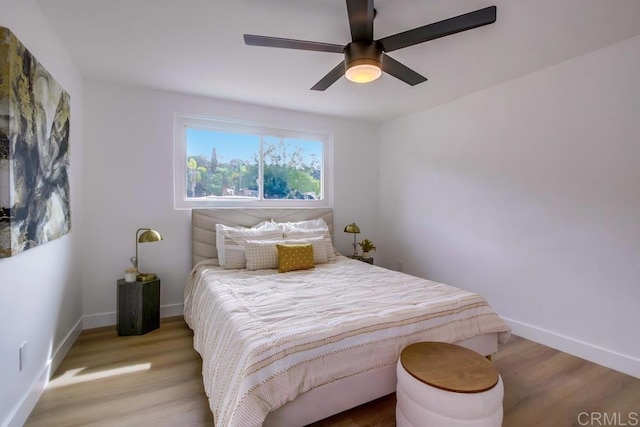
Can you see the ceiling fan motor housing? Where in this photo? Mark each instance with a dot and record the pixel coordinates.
(363, 52)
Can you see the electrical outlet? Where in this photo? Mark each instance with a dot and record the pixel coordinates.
(22, 356)
(400, 265)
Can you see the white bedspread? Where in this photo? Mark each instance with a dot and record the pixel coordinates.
(266, 338)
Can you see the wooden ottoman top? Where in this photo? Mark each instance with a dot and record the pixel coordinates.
(449, 367)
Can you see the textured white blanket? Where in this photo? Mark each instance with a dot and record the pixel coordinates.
(266, 338)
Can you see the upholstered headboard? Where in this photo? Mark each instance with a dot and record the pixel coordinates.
(203, 224)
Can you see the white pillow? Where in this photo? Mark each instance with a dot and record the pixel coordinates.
(320, 255)
(269, 225)
(302, 233)
(311, 224)
(298, 230)
(331, 251)
(231, 242)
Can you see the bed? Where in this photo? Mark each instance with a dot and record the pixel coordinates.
(291, 349)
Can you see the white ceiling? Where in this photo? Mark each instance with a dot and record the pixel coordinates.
(196, 47)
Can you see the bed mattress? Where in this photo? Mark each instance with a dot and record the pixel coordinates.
(265, 338)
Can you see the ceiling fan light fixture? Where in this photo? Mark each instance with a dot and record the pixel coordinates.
(363, 73)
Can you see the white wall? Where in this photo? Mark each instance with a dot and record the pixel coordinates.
(40, 288)
(529, 193)
(129, 184)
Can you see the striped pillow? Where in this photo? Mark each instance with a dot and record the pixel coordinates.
(231, 243)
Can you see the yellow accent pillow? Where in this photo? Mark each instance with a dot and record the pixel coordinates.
(295, 257)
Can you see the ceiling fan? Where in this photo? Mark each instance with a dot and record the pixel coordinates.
(366, 58)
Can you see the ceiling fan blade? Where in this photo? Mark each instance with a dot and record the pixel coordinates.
(253, 40)
(330, 78)
(360, 19)
(439, 29)
(400, 71)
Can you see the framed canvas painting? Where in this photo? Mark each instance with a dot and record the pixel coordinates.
(34, 151)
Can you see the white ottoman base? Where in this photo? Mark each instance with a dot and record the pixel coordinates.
(419, 404)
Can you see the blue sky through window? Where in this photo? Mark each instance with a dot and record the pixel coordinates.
(231, 146)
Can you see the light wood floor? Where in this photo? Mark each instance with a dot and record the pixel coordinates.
(155, 380)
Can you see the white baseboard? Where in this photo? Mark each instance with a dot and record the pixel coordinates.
(172, 310)
(108, 319)
(23, 409)
(91, 321)
(602, 356)
(61, 352)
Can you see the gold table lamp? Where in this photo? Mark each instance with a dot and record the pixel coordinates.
(354, 229)
(148, 235)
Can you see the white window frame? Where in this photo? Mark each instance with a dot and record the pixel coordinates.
(184, 121)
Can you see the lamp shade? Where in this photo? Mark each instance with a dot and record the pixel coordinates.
(149, 236)
(352, 228)
(363, 73)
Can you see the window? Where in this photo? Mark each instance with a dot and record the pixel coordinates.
(222, 164)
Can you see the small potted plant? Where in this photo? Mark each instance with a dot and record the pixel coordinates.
(367, 247)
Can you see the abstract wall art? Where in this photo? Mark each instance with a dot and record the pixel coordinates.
(34, 151)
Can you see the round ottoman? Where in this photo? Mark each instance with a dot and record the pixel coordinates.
(445, 385)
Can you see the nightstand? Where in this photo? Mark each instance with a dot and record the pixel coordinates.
(359, 258)
(138, 307)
